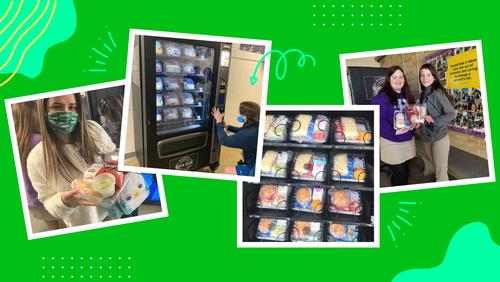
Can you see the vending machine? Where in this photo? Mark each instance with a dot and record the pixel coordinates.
(175, 84)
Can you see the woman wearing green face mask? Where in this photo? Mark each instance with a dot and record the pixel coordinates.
(70, 144)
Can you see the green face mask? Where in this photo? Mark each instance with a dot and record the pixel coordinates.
(62, 122)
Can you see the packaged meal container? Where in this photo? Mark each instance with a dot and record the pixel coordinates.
(345, 201)
(342, 233)
(188, 51)
(171, 114)
(187, 67)
(159, 84)
(172, 49)
(187, 113)
(187, 99)
(158, 116)
(172, 66)
(159, 100)
(310, 129)
(159, 67)
(159, 49)
(352, 130)
(171, 99)
(171, 83)
(273, 197)
(307, 231)
(400, 120)
(275, 128)
(310, 166)
(274, 163)
(309, 199)
(272, 229)
(348, 167)
(415, 113)
(187, 84)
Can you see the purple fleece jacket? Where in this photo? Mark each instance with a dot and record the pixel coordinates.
(387, 130)
(31, 194)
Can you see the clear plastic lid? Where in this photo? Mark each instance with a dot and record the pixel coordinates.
(171, 49)
(171, 114)
(400, 119)
(171, 83)
(159, 49)
(171, 99)
(187, 98)
(187, 113)
(188, 84)
(172, 66)
(187, 67)
(86, 191)
(159, 67)
(274, 163)
(348, 167)
(307, 231)
(352, 130)
(345, 201)
(159, 84)
(342, 233)
(272, 229)
(273, 197)
(309, 199)
(188, 51)
(310, 129)
(415, 113)
(275, 128)
(159, 100)
(310, 166)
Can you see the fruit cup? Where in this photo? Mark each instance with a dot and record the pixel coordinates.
(104, 184)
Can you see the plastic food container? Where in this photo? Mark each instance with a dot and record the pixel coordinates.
(307, 231)
(273, 197)
(188, 84)
(86, 191)
(159, 49)
(348, 167)
(159, 100)
(272, 229)
(345, 201)
(310, 166)
(352, 130)
(342, 233)
(187, 113)
(188, 51)
(187, 99)
(171, 114)
(310, 129)
(158, 116)
(172, 66)
(274, 163)
(415, 113)
(309, 199)
(104, 184)
(159, 67)
(171, 83)
(187, 67)
(400, 120)
(172, 49)
(171, 99)
(159, 84)
(275, 128)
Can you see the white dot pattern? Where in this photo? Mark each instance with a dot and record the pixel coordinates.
(382, 9)
(81, 267)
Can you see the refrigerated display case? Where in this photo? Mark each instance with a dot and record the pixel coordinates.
(316, 179)
(177, 82)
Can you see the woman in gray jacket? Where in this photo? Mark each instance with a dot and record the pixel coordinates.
(440, 112)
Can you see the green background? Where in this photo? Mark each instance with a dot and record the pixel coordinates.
(198, 239)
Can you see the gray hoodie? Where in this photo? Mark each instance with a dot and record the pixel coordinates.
(441, 111)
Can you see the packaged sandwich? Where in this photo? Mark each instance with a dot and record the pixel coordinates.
(187, 113)
(159, 84)
(307, 231)
(159, 100)
(400, 120)
(187, 99)
(172, 66)
(171, 83)
(415, 113)
(346, 133)
(273, 197)
(158, 47)
(310, 129)
(188, 51)
(309, 199)
(171, 99)
(171, 114)
(86, 191)
(272, 229)
(187, 84)
(274, 163)
(159, 67)
(187, 67)
(275, 128)
(172, 49)
(309, 166)
(348, 167)
(345, 201)
(342, 233)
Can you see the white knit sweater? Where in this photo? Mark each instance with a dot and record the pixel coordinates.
(50, 194)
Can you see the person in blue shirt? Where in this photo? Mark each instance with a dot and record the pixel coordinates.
(245, 137)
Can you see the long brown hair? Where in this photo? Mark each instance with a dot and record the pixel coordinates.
(26, 124)
(251, 110)
(55, 156)
(436, 85)
(111, 107)
(389, 92)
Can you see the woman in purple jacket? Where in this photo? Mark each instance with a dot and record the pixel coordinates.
(397, 147)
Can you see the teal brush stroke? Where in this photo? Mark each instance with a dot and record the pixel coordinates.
(301, 63)
(408, 203)
(99, 53)
(393, 239)
(99, 62)
(98, 70)
(107, 47)
(403, 220)
(404, 210)
(396, 225)
(112, 41)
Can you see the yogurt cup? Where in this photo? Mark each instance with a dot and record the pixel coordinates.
(104, 184)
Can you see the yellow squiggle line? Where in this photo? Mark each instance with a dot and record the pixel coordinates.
(22, 35)
(38, 2)
(15, 16)
(18, 65)
(8, 10)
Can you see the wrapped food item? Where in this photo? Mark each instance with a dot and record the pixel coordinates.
(91, 172)
(276, 129)
(272, 229)
(267, 122)
(187, 113)
(307, 231)
(363, 135)
(187, 98)
(345, 201)
(399, 120)
(159, 84)
(159, 49)
(187, 84)
(315, 131)
(86, 191)
(349, 127)
(171, 83)
(159, 100)
(300, 125)
(342, 233)
(309, 166)
(302, 162)
(414, 113)
(172, 49)
(159, 67)
(187, 67)
(171, 114)
(172, 66)
(171, 99)
(188, 51)
(158, 116)
(275, 167)
(309, 199)
(348, 167)
(273, 197)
